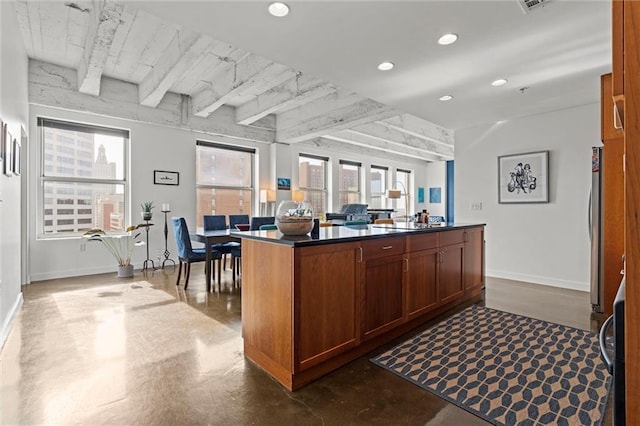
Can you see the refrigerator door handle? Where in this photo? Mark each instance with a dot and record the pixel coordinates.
(589, 214)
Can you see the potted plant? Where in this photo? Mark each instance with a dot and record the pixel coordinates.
(147, 206)
(120, 245)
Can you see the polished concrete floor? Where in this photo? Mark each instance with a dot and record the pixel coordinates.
(103, 350)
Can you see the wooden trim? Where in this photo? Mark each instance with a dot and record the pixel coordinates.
(632, 209)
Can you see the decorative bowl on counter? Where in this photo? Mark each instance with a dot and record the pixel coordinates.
(293, 218)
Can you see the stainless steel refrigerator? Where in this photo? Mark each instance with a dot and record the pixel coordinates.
(596, 230)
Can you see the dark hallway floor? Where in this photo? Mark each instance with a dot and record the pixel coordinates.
(99, 350)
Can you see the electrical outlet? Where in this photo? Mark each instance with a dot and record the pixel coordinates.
(83, 246)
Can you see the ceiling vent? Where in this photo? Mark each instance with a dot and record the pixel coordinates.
(529, 5)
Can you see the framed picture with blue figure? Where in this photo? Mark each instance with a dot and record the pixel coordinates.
(523, 178)
(435, 195)
(284, 183)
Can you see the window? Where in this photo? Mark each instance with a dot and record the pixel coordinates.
(98, 182)
(378, 187)
(349, 182)
(404, 177)
(224, 179)
(312, 177)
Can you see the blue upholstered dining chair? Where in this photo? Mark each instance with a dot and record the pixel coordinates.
(186, 253)
(238, 219)
(217, 222)
(236, 248)
(257, 221)
(268, 227)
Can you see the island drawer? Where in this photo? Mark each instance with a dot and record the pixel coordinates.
(423, 241)
(382, 247)
(451, 237)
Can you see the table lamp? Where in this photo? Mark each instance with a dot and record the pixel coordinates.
(395, 194)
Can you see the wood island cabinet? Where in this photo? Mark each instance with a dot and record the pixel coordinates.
(308, 309)
(473, 259)
(327, 290)
(382, 285)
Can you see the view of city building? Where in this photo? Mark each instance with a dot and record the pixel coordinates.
(77, 193)
(223, 181)
(312, 181)
(349, 183)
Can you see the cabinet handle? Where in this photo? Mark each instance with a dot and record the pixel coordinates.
(387, 247)
(406, 265)
(615, 117)
(361, 255)
(465, 237)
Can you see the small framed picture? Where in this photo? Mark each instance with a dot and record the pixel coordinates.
(284, 183)
(523, 178)
(6, 151)
(16, 157)
(162, 177)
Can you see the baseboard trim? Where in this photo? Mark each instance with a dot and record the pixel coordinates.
(77, 272)
(8, 322)
(548, 281)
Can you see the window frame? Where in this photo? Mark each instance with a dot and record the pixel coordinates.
(325, 190)
(383, 194)
(358, 192)
(407, 188)
(42, 123)
(236, 148)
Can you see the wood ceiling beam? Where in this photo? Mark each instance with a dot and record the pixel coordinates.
(324, 122)
(183, 52)
(402, 140)
(103, 24)
(55, 86)
(28, 15)
(249, 76)
(293, 93)
(420, 128)
(333, 143)
(364, 141)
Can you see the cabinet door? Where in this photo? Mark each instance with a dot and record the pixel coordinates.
(327, 290)
(422, 279)
(383, 294)
(450, 277)
(473, 260)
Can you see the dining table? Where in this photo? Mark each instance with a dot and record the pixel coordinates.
(210, 238)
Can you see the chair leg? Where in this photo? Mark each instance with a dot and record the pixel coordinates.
(186, 277)
(220, 266)
(179, 272)
(233, 269)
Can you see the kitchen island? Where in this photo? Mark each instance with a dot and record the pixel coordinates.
(310, 305)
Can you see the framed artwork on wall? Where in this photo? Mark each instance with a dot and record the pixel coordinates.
(16, 157)
(7, 140)
(162, 177)
(523, 178)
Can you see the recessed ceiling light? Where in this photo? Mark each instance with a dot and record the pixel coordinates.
(448, 39)
(278, 9)
(446, 98)
(499, 82)
(385, 66)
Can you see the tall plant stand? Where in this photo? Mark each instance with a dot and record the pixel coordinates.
(148, 260)
(166, 234)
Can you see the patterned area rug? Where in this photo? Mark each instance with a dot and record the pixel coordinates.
(507, 369)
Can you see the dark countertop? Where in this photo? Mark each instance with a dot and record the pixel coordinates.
(337, 234)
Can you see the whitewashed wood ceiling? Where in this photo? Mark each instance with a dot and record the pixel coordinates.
(112, 59)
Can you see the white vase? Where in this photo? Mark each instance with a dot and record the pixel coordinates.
(125, 271)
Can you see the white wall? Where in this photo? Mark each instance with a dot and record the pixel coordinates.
(436, 178)
(539, 243)
(151, 148)
(155, 147)
(14, 111)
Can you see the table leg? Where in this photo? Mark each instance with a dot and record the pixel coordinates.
(208, 266)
